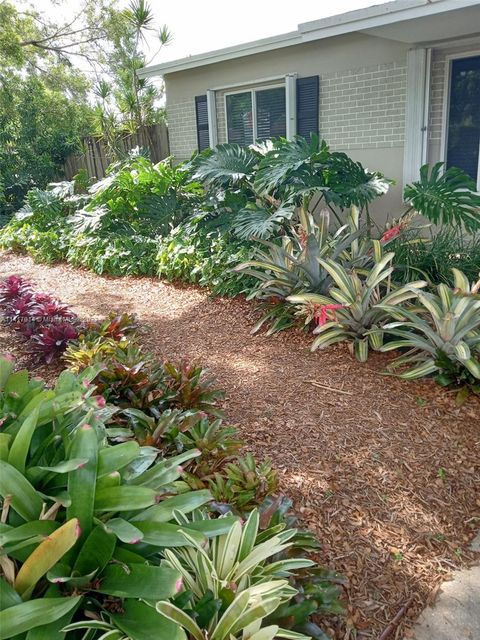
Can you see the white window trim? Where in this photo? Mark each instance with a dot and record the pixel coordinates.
(446, 104)
(252, 91)
(416, 115)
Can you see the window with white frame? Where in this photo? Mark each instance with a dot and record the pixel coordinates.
(256, 114)
(462, 136)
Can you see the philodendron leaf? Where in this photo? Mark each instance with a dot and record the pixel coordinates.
(140, 581)
(35, 613)
(153, 624)
(45, 556)
(24, 499)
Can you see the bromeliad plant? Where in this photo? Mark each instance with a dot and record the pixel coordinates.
(244, 484)
(83, 523)
(48, 324)
(233, 583)
(296, 266)
(355, 310)
(443, 334)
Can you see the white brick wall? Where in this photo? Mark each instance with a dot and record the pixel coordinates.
(359, 108)
(364, 108)
(182, 129)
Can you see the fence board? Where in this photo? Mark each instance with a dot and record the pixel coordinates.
(95, 159)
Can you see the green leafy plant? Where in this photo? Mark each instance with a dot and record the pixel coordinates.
(231, 586)
(355, 309)
(70, 555)
(244, 484)
(445, 197)
(443, 334)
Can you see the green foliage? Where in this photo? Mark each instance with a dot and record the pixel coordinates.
(447, 198)
(195, 254)
(233, 583)
(100, 546)
(116, 255)
(433, 256)
(296, 266)
(355, 308)
(246, 483)
(39, 128)
(443, 334)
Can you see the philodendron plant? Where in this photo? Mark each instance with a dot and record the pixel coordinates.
(356, 308)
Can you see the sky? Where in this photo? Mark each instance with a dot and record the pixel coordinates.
(198, 26)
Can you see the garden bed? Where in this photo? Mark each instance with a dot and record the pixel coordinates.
(385, 472)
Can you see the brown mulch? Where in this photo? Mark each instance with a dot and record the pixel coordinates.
(386, 472)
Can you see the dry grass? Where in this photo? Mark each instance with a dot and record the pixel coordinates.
(386, 473)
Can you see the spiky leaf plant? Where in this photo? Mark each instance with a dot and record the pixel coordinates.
(443, 334)
(354, 310)
(233, 583)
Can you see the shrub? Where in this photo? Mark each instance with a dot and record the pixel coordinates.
(206, 257)
(97, 554)
(433, 256)
(443, 335)
(113, 253)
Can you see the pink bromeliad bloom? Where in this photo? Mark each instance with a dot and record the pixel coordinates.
(390, 234)
(326, 312)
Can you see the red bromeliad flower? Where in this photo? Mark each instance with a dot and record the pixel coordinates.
(392, 233)
(325, 312)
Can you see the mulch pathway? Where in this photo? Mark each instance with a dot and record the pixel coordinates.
(386, 472)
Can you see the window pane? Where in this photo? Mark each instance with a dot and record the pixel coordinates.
(271, 119)
(239, 118)
(464, 116)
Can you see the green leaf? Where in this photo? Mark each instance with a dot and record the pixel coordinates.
(96, 551)
(163, 512)
(153, 624)
(28, 615)
(178, 616)
(21, 445)
(24, 499)
(116, 457)
(81, 482)
(124, 498)
(164, 534)
(140, 581)
(8, 596)
(125, 531)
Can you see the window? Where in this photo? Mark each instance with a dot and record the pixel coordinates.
(463, 121)
(255, 115)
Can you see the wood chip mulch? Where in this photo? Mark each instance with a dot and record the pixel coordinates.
(386, 472)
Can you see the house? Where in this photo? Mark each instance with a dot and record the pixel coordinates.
(394, 85)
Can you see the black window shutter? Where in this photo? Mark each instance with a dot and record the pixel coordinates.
(307, 106)
(201, 112)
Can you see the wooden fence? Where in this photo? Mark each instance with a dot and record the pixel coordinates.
(95, 159)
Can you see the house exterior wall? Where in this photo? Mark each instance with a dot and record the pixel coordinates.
(362, 98)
